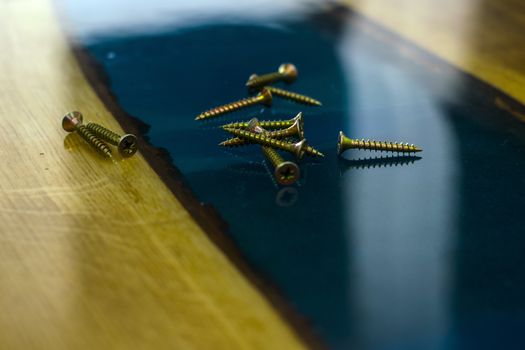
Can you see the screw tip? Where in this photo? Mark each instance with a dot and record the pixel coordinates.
(315, 152)
(250, 81)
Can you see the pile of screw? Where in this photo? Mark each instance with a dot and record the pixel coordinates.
(96, 136)
(278, 134)
(284, 135)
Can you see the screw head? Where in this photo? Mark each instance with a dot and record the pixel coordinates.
(340, 140)
(298, 129)
(287, 173)
(71, 121)
(300, 119)
(127, 145)
(252, 124)
(267, 97)
(299, 148)
(289, 71)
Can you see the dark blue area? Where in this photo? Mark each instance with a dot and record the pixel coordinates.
(325, 243)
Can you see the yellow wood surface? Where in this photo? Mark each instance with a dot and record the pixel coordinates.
(483, 37)
(99, 254)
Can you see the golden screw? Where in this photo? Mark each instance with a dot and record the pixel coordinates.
(285, 172)
(312, 151)
(73, 122)
(286, 72)
(293, 96)
(264, 97)
(126, 144)
(296, 148)
(269, 124)
(308, 149)
(296, 129)
(344, 143)
(290, 95)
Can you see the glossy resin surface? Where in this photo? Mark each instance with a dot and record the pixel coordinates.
(381, 253)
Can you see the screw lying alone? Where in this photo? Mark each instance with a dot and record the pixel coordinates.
(264, 97)
(269, 124)
(296, 129)
(285, 172)
(286, 72)
(344, 143)
(73, 122)
(126, 144)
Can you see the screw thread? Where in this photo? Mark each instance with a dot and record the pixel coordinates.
(264, 79)
(276, 124)
(381, 146)
(267, 124)
(230, 107)
(263, 140)
(272, 156)
(103, 133)
(271, 142)
(276, 134)
(94, 141)
(279, 134)
(293, 96)
(313, 152)
(234, 142)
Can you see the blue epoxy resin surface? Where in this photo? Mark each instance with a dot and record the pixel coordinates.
(426, 255)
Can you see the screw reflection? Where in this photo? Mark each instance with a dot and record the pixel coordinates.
(375, 162)
(287, 197)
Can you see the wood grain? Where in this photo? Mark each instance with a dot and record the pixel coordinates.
(98, 254)
(481, 37)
